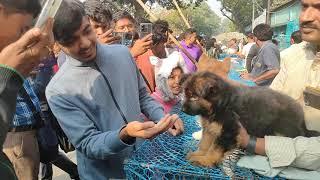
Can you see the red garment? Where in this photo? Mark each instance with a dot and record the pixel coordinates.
(55, 68)
(147, 69)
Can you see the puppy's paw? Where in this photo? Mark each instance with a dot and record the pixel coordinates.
(196, 153)
(202, 161)
(197, 135)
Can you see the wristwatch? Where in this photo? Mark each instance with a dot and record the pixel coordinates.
(251, 147)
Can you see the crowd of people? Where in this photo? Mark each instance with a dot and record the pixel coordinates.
(75, 78)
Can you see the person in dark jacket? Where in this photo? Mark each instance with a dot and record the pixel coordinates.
(17, 58)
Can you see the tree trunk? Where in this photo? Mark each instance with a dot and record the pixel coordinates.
(139, 10)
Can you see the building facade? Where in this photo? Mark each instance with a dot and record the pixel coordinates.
(285, 20)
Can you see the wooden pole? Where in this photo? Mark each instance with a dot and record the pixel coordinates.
(174, 40)
(268, 12)
(186, 22)
(181, 14)
(253, 14)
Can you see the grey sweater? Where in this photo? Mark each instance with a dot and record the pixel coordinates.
(80, 99)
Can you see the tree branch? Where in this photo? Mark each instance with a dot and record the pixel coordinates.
(225, 15)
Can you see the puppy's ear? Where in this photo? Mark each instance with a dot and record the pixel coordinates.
(208, 90)
(184, 78)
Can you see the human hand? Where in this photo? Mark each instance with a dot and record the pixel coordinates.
(246, 76)
(178, 127)
(244, 136)
(27, 52)
(108, 38)
(141, 46)
(147, 130)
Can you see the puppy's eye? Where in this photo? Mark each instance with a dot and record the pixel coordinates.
(188, 93)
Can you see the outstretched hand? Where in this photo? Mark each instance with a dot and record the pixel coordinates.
(147, 130)
(178, 127)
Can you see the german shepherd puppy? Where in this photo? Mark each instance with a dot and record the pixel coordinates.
(221, 106)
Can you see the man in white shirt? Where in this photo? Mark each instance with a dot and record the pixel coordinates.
(300, 68)
(246, 49)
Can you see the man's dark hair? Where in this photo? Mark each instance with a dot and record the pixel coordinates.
(189, 32)
(275, 42)
(296, 36)
(123, 15)
(160, 31)
(250, 35)
(181, 37)
(211, 43)
(23, 6)
(68, 20)
(98, 11)
(263, 32)
(160, 26)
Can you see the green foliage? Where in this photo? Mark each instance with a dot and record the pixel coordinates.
(168, 4)
(200, 17)
(227, 26)
(240, 11)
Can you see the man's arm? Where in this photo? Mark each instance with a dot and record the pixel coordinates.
(267, 75)
(301, 152)
(82, 132)
(252, 53)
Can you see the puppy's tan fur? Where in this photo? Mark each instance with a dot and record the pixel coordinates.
(214, 66)
(208, 154)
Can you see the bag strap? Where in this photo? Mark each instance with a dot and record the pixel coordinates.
(111, 93)
(146, 81)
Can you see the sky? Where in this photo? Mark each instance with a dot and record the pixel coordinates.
(215, 6)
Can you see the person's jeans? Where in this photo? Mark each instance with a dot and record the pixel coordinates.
(62, 162)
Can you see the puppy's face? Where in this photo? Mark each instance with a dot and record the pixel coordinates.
(202, 93)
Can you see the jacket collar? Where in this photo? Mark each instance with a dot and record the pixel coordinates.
(77, 63)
